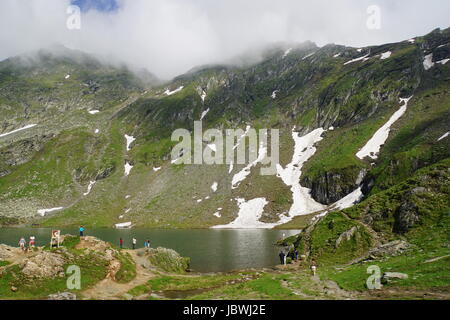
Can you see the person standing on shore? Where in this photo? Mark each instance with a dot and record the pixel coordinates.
(22, 243)
(134, 241)
(81, 231)
(281, 255)
(32, 242)
(121, 243)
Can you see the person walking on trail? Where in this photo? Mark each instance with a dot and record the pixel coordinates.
(313, 267)
(148, 243)
(121, 243)
(296, 255)
(22, 243)
(134, 243)
(81, 231)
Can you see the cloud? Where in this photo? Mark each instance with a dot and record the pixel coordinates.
(168, 37)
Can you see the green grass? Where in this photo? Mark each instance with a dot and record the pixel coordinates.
(93, 269)
(421, 275)
(266, 287)
(127, 271)
(168, 260)
(4, 263)
(186, 283)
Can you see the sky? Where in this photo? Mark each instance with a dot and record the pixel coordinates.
(169, 37)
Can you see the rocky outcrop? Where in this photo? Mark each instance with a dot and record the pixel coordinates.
(406, 216)
(390, 249)
(7, 252)
(390, 276)
(345, 236)
(165, 259)
(44, 265)
(393, 248)
(330, 187)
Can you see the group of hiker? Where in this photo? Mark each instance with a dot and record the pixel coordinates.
(134, 243)
(31, 243)
(295, 257)
(121, 242)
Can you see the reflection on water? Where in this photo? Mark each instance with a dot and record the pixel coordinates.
(210, 250)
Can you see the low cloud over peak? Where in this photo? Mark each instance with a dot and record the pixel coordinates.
(169, 37)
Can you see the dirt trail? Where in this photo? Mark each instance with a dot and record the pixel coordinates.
(108, 289)
(17, 256)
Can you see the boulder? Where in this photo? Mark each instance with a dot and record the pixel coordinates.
(389, 276)
(63, 296)
(393, 248)
(345, 236)
(43, 265)
(406, 216)
(7, 252)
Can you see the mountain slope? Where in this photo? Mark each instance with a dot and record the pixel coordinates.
(64, 162)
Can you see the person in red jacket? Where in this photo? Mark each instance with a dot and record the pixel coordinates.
(121, 243)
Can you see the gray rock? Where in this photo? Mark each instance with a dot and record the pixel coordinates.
(389, 276)
(406, 216)
(419, 190)
(63, 296)
(392, 248)
(345, 236)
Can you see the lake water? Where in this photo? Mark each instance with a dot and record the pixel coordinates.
(210, 250)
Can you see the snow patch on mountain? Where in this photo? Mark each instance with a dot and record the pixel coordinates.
(372, 147)
(304, 149)
(89, 188)
(17, 130)
(123, 225)
(204, 113)
(357, 59)
(241, 175)
(169, 93)
(349, 200)
(445, 135)
(287, 52)
(274, 94)
(249, 214)
(43, 212)
(130, 140)
(428, 62)
(385, 55)
(231, 167)
(127, 168)
(203, 96)
(309, 55)
(214, 186)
